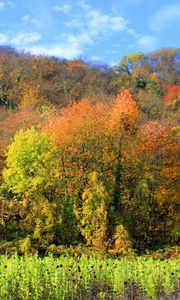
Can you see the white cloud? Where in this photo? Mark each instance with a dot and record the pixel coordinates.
(74, 23)
(97, 23)
(25, 18)
(36, 22)
(147, 42)
(66, 8)
(79, 39)
(3, 4)
(95, 58)
(84, 5)
(165, 17)
(132, 32)
(68, 45)
(118, 23)
(57, 50)
(20, 39)
(92, 25)
(3, 39)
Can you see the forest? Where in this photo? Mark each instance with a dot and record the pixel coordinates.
(89, 154)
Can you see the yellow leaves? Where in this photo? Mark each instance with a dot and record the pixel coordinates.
(155, 77)
(1, 74)
(25, 246)
(30, 95)
(122, 242)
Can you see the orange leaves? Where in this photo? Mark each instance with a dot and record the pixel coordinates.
(159, 149)
(88, 135)
(81, 120)
(153, 136)
(74, 64)
(15, 121)
(124, 112)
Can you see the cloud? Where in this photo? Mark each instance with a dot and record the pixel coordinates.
(20, 39)
(56, 50)
(78, 39)
(165, 17)
(74, 23)
(95, 58)
(66, 8)
(97, 24)
(147, 42)
(3, 39)
(118, 23)
(91, 26)
(27, 18)
(3, 4)
(82, 4)
(36, 22)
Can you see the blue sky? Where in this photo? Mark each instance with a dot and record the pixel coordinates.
(101, 30)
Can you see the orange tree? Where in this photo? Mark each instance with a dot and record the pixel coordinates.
(92, 138)
(152, 176)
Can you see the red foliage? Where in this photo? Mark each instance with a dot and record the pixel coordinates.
(173, 93)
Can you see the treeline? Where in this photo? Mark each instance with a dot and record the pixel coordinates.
(89, 154)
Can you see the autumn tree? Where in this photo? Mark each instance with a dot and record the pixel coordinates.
(31, 177)
(93, 214)
(153, 170)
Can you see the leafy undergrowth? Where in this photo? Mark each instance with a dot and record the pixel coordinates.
(84, 277)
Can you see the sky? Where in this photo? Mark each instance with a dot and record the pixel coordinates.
(101, 30)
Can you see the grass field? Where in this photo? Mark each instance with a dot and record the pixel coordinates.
(88, 278)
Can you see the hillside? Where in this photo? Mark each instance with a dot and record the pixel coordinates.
(89, 153)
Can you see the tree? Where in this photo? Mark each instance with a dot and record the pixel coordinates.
(30, 164)
(133, 61)
(172, 99)
(122, 124)
(93, 215)
(152, 184)
(31, 177)
(165, 62)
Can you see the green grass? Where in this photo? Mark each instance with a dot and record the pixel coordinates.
(86, 278)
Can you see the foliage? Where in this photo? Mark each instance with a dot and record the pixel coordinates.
(30, 163)
(122, 242)
(93, 215)
(101, 165)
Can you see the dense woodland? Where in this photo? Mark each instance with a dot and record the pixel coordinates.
(89, 153)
